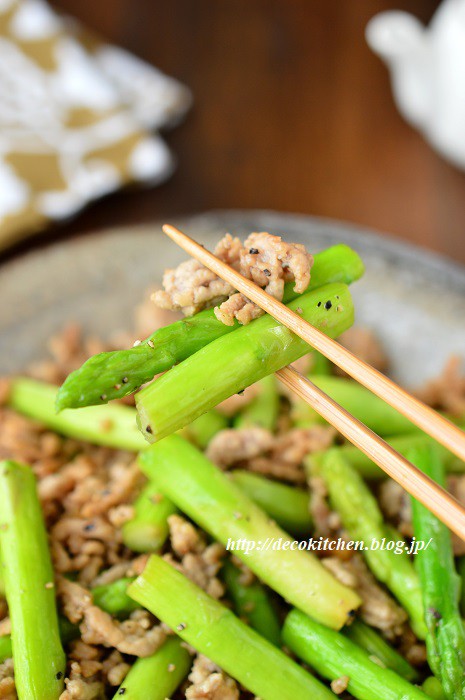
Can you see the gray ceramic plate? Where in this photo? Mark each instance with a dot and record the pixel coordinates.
(414, 301)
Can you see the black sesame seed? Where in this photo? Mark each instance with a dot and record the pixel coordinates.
(121, 691)
(103, 397)
(319, 303)
(149, 429)
(59, 675)
(239, 393)
(435, 613)
(253, 251)
(267, 272)
(351, 613)
(328, 305)
(125, 380)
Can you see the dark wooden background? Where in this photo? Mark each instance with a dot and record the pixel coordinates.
(292, 112)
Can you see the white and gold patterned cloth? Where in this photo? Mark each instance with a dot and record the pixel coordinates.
(77, 118)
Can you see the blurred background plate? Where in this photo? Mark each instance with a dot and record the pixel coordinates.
(413, 300)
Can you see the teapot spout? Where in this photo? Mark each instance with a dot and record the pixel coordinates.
(400, 40)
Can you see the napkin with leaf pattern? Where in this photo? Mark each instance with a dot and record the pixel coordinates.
(78, 118)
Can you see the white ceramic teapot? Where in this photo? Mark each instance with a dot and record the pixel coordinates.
(427, 66)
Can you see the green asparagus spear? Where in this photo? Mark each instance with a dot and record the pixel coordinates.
(252, 604)
(359, 401)
(112, 375)
(113, 426)
(6, 648)
(39, 658)
(461, 570)
(68, 632)
(201, 430)
(403, 443)
(148, 529)
(156, 677)
(288, 505)
(216, 632)
(440, 584)
(363, 520)
(367, 638)
(263, 410)
(433, 689)
(112, 598)
(319, 364)
(333, 656)
(228, 365)
(207, 496)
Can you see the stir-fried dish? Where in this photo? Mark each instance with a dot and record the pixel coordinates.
(175, 524)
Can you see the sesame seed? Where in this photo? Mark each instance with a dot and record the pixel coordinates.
(171, 668)
(182, 626)
(125, 380)
(239, 393)
(149, 429)
(319, 303)
(117, 387)
(267, 272)
(49, 584)
(103, 397)
(237, 515)
(136, 343)
(59, 675)
(253, 251)
(339, 308)
(89, 527)
(121, 691)
(299, 310)
(150, 343)
(328, 305)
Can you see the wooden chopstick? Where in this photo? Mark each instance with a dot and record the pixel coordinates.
(412, 479)
(426, 418)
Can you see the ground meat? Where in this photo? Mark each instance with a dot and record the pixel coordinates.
(199, 562)
(265, 259)
(7, 683)
(447, 392)
(232, 446)
(378, 609)
(257, 449)
(209, 682)
(364, 344)
(325, 520)
(191, 287)
(340, 684)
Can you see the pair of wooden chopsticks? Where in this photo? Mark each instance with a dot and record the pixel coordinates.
(412, 479)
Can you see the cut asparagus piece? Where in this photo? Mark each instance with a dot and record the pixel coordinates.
(215, 631)
(112, 375)
(252, 604)
(367, 638)
(263, 410)
(357, 400)
(333, 656)
(433, 689)
(157, 677)
(211, 500)
(201, 430)
(39, 658)
(230, 364)
(440, 585)
(112, 426)
(148, 529)
(363, 520)
(403, 443)
(112, 597)
(288, 505)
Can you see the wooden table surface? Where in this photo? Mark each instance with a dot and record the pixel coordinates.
(292, 112)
